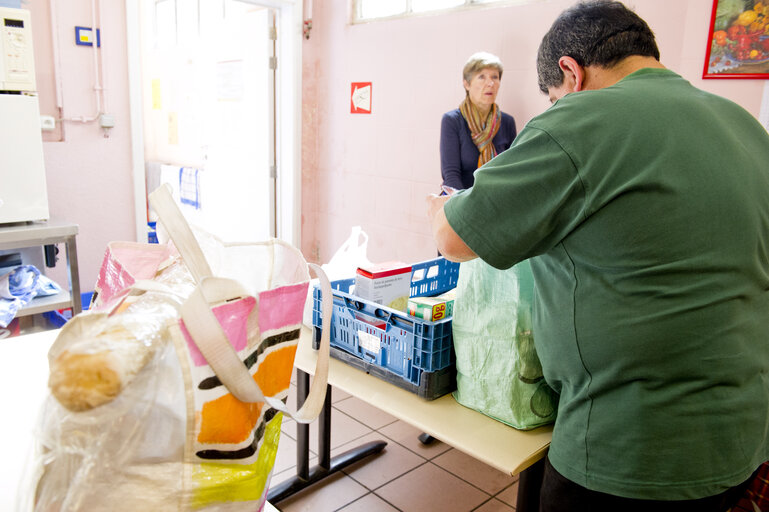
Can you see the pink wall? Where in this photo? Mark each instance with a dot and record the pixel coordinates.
(89, 176)
(375, 170)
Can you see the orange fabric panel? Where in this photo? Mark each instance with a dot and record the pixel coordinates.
(274, 373)
(228, 420)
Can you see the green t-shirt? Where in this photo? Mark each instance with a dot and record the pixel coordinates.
(645, 209)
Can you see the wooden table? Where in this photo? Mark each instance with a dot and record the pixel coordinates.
(509, 450)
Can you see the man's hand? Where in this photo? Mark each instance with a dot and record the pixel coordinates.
(449, 244)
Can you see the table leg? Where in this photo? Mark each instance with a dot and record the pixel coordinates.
(73, 271)
(306, 476)
(425, 438)
(529, 485)
(324, 433)
(302, 429)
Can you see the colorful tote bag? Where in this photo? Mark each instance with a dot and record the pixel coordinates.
(203, 353)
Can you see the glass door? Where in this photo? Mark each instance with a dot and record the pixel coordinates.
(208, 81)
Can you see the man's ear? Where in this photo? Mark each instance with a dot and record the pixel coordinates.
(573, 73)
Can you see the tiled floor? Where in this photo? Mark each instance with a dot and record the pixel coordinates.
(407, 476)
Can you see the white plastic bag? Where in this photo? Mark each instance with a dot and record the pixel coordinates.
(350, 256)
(342, 265)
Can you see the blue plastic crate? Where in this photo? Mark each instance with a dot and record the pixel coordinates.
(390, 339)
(58, 318)
(152, 232)
(433, 277)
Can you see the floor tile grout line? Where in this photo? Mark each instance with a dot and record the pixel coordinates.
(389, 481)
(372, 493)
(459, 477)
(293, 438)
(470, 483)
(489, 496)
(506, 488)
(432, 459)
(482, 504)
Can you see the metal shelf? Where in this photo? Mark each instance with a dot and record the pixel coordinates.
(32, 234)
(61, 300)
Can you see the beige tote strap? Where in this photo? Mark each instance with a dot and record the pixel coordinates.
(176, 225)
(221, 356)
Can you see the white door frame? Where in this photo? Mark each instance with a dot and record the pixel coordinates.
(289, 121)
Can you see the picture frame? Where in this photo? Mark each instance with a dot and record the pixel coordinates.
(738, 40)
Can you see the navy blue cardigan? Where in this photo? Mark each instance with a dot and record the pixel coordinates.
(459, 155)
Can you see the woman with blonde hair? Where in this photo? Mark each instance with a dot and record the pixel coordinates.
(478, 130)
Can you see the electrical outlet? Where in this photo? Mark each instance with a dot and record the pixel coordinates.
(107, 121)
(47, 123)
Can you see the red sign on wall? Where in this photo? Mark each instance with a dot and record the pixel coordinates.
(360, 98)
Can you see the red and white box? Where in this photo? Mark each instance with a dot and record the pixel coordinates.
(388, 284)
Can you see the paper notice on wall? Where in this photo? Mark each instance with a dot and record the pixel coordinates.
(230, 80)
(763, 117)
(156, 102)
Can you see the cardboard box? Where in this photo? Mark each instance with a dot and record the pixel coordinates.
(431, 308)
(388, 284)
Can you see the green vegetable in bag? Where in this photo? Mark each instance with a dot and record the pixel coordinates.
(498, 371)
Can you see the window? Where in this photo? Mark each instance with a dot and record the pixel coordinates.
(366, 10)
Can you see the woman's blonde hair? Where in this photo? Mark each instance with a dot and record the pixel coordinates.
(479, 61)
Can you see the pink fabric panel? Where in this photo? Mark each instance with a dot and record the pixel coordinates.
(141, 260)
(124, 264)
(282, 306)
(233, 317)
(112, 280)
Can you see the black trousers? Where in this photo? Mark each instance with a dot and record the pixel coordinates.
(559, 494)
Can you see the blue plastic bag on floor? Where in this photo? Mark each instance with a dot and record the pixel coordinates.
(498, 371)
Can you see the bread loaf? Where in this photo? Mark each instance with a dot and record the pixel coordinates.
(95, 357)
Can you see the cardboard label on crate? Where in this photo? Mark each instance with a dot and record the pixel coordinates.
(430, 308)
(369, 342)
(388, 284)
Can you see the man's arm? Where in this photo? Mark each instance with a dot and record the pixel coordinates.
(449, 244)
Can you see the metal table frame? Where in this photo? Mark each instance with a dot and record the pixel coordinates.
(528, 462)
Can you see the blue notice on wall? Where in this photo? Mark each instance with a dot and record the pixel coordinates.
(16, 4)
(84, 36)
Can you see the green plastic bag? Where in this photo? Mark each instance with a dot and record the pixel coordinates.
(498, 371)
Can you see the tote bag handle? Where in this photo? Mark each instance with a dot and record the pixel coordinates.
(210, 338)
(162, 202)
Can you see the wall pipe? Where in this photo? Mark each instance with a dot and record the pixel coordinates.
(98, 65)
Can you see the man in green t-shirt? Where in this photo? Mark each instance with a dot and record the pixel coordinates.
(643, 204)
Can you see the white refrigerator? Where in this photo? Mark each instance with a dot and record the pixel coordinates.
(23, 193)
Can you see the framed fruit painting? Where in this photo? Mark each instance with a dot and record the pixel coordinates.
(738, 40)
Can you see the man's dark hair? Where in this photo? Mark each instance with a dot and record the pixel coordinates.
(598, 32)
